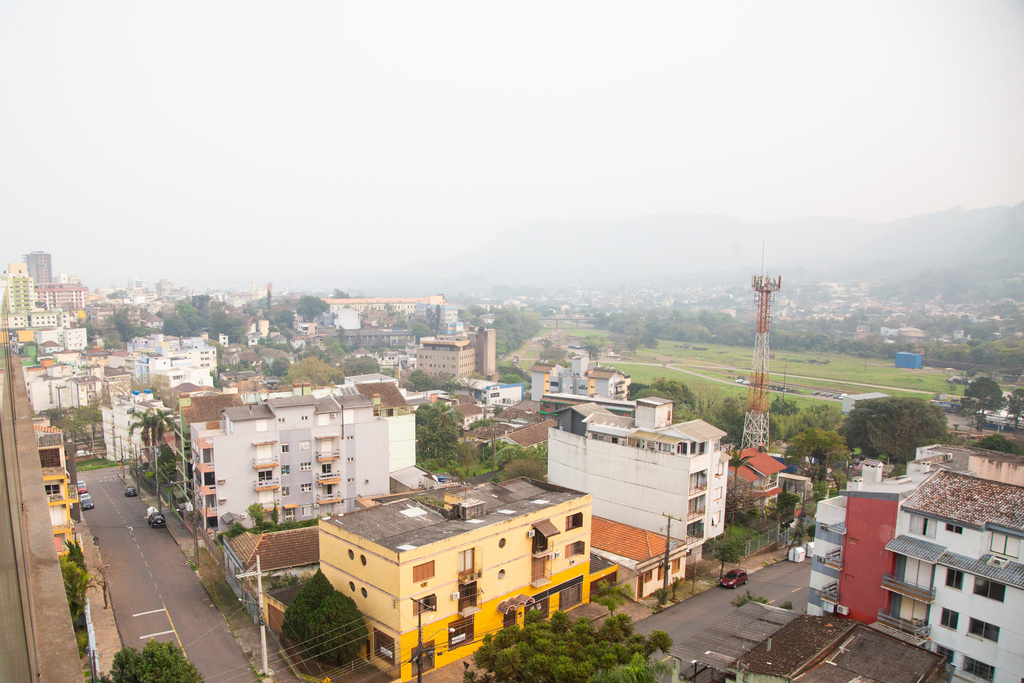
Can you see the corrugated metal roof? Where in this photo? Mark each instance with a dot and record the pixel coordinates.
(915, 547)
(699, 430)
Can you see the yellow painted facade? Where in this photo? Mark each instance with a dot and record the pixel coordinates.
(500, 560)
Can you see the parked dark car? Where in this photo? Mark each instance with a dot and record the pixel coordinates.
(86, 501)
(130, 491)
(82, 488)
(734, 578)
(156, 520)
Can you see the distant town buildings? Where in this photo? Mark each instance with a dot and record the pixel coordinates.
(459, 356)
(580, 379)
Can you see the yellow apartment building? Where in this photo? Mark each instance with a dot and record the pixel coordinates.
(61, 492)
(467, 562)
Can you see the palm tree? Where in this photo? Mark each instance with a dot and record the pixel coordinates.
(152, 425)
(639, 670)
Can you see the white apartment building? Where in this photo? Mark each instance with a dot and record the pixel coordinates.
(305, 456)
(117, 423)
(186, 359)
(958, 572)
(639, 470)
(580, 379)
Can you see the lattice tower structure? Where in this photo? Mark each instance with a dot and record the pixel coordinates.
(755, 421)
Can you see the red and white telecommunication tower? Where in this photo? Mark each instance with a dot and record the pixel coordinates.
(755, 422)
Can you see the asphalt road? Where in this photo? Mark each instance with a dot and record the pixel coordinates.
(780, 582)
(154, 592)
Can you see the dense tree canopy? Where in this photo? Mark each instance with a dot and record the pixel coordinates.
(814, 451)
(894, 426)
(998, 442)
(982, 397)
(560, 650)
(311, 307)
(438, 428)
(156, 663)
(324, 622)
(316, 371)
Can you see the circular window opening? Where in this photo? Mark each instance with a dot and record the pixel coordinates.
(362, 558)
(501, 543)
(363, 590)
(501, 574)
(351, 586)
(351, 555)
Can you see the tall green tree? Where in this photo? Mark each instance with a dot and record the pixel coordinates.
(981, 397)
(894, 426)
(560, 650)
(311, 307)
(324, 622)
(998, 442)
(315, 371)
(728, 548)
(816, 450)
(1015, 406)
(156, 663)
(437, 431)
(639, 670)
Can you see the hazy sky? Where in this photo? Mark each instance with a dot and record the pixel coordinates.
(214, 143)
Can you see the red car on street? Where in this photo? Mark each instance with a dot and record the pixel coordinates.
(734, 578)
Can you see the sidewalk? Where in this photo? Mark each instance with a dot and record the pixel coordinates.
(108, 640)
(245, 632)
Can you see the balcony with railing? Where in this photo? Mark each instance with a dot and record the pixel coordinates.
(328, 498)
(63, 527)
(699, 486)
(208, 489)
(60, 497)
(829, 592)
(833, 558)
(694, 515)
(911, 590)
(326, 478)
(264, 463)
(266, 484)
(917, 627)
(327, 455)
(540, 572)
(205, 467)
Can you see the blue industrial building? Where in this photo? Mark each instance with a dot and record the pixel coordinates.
(909, 360)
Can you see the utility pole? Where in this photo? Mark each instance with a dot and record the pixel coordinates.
(419, 637)
(668, 547)
(263, 622)
(156, 471)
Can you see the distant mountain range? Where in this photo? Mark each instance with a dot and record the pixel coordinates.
(686, 248)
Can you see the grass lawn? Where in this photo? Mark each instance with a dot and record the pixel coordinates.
(95, 464)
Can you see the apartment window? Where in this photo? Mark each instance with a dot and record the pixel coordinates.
(945, 653)
(466, 560)
(979, 669)
(922, 526)
(646, 577)
(261, 425)
(289, 515)
(384, 646)
(306, 488)
(305, 466)
(305, 418)
(422, 572)
(984, 629)
(950, 619)
(52, 489)
(989, 589)
(574, 549)
(304, 445)
(307, 510)
(284, 447)
(954, 578)
(286, 469)
(265, 476)
(286, 491)
(351, 480)
(954, 528)
(460, 633)
(574, 521)
(718, 493)
(1005, 545)
(351, 458)
(675, 565)
(427, 603)
(280, 420)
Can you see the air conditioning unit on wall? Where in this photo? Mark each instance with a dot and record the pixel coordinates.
(531, 533)
(842, 609)
(455, 595)
(557, 554)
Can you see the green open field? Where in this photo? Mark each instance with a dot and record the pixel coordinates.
(801, 370)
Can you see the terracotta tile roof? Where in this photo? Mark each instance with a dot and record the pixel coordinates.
(625, 540)
(542, 367)
(207, 408)
(532, 435)
(390, 395)
(467, 409)
(760, 465)
(279, 549)
(603, 373)
(970, 500)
